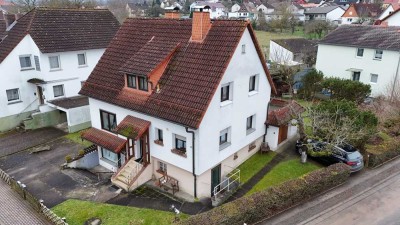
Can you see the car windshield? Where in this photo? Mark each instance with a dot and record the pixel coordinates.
(354, 156)
(348, 148)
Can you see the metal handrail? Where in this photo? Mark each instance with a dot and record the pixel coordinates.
(19, 114)
(230, 179)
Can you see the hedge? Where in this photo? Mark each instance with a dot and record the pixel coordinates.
(264, 204)
(389, 151)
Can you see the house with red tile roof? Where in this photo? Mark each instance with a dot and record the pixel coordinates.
(180, 107)
(361, 12)
(389, 10)
(393, 19)
(44, 57)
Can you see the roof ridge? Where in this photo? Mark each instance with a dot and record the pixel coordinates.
(69, 9)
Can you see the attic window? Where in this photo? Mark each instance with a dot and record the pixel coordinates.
(243, 49)
(137, 82)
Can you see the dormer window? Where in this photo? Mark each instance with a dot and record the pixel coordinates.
(137, 82)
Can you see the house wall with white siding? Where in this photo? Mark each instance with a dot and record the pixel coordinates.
(340, 61)
(393, 20)
(279, 54)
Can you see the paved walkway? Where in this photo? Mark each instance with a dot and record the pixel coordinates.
(16, 211)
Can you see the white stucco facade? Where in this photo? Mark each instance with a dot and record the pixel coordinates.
(230, 114)
(342, 61)
(393, 20)
(280, 55)
(70, 75)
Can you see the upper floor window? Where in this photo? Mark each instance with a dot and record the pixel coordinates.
(180, 143)
(349, 19)
(137, 82)
(226, 92)
(82, 59)
(360, 52)
(13, 95)
(253, 83)
(54, 62)
(58, 90)
(224, 138)
(108, 120)
(25, 62)
(159, 137)
(374, 78)
(378, 54)
(243, 48)
(37, 63)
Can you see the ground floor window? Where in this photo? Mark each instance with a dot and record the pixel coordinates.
(109, 155)
(162, 167)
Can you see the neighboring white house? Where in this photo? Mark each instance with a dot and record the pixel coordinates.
(327, 13)
(388, 10)
(216, 9)
(361, 13)
(392, 19)
(163, 107)
(46, 56)
(369, 54)
(265, 8)
(290, 51)
(246, 11)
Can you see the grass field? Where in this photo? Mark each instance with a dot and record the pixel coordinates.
(77, 212)
(284, 171)
(76, 137)
(254, 164)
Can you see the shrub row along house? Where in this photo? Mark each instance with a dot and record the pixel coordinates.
(185, 103)
(369, 54)
(45, 57)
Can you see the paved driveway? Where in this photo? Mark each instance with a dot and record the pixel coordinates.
(17, 141)
(42, 174)
(14, 210)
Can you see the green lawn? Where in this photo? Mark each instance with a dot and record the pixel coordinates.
(264, 37)
(254, 164)
(76, 137)
(284, 171)
(77, 212)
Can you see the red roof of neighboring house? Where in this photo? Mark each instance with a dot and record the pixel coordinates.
(60, 30)
(132, 127)
(104, 139)
(284, 114)
(4, 2)
(190, 78)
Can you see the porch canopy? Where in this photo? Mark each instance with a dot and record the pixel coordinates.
(132, 127)
(281, 111)
(70, 102)
(104, 139)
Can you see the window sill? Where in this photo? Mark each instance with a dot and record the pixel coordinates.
(373, 83)
(82, 66)
(252, 146)
(14, 102)
(55, 70)
(179, 152)
(252, 93)
(377, 59)
(108, 161)
(59, 96)
(225, 103)
(249, 131)
(161, 172)
(26, 69)
(224, 145)
(158, 142)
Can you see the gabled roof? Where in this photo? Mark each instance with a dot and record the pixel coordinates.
(282, 112)
(60, 30)
(297, 45)
(375, 37)
(104, 139)
(345, 2)
(132, 127)
(391, 14)
(322, 10)
(367, 10)
(191, 77)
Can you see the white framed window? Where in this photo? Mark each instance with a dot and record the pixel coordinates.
(13, 95)
(360, 52)
(374, 78)
(109, 155)
(250, 124)
(159, 135)
(180, 143)
(243, 49)
(224, 138)
(82, 59)
(226, 93)
(37, 63)
(58, 90)
(25, 62)
(356, 76)
(162, 167)
(54, 62)
(349, 19)
(378, 54)
(253, 84)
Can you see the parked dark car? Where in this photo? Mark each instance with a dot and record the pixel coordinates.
(344, 153)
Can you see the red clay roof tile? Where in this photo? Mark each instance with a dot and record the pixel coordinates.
(104, 139)
(284, 114)
(132, 127)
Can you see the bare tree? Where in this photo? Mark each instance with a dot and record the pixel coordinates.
(26, 5)
(318, 27)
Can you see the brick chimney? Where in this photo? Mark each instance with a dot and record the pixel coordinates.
(173, 14)
(201, 24)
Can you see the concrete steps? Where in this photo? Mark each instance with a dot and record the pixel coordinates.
(125, 177)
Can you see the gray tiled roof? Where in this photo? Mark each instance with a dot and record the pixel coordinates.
(376, 37)
(321, 10)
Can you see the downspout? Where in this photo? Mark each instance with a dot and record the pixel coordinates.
(395, 78)
(193, 165)
(266, 124)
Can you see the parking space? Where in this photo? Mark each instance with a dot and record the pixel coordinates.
(42, 174)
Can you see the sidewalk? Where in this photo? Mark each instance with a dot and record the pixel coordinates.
(16, 211)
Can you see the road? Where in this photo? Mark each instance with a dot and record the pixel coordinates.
(370, 197)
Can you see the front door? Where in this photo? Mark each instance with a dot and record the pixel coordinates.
(215, 178)
(40, 95)
(283, 132)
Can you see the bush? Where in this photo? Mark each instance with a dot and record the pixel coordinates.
(347, 89)
(68, 158)
(81, 152)
(264, 204)
(383, 153)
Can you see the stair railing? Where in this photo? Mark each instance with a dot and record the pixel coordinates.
(19, 114)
